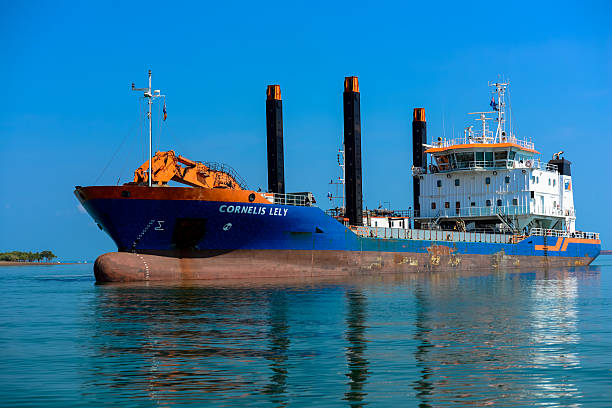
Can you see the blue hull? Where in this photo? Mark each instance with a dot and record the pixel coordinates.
(181, 226)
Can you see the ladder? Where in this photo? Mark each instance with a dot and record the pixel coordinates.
(505, 219)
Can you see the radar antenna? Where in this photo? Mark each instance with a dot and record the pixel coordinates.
(483, 118)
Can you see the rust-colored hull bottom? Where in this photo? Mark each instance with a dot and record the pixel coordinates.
(241, 264)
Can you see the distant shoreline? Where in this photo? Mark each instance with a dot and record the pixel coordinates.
(15, 263)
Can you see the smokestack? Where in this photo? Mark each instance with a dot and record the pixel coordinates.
(419, 138)
(352, 151)
(274, 124)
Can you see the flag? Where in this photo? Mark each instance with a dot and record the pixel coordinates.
(493, 104)
(165, 114)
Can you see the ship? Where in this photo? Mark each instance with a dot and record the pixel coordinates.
(485, 200)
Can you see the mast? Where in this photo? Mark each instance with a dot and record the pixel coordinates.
(500, 90)
(150, 134)
(150, 95)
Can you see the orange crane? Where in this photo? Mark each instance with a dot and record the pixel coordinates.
(168, 166)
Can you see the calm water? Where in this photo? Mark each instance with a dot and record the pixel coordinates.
(498, 339)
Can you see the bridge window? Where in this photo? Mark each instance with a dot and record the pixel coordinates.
(501, 155)
(500, 158)
(489, 159)
(465, 159)
(443, 162)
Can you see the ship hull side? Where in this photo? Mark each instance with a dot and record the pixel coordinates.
(247, 264)
(182, 234)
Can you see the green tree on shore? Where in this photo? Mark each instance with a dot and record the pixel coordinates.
(21, 256)
(48, 255)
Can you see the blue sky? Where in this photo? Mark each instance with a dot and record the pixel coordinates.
(67, 107)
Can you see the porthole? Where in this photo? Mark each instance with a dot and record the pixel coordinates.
(251, 197)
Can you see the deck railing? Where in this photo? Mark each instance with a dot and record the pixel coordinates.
(430, 235)
(488, 165)
(492, 211)
(461, 236)
(222, 167)
(487, 139)
(561, 233)
(298, 199)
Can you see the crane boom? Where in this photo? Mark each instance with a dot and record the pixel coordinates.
(167, 166)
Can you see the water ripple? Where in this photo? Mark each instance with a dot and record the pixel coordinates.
(432, 340)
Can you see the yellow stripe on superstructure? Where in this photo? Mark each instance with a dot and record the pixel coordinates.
(479, 145)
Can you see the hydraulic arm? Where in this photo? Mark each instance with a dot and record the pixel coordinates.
(167, 166)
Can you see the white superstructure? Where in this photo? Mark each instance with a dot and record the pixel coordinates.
(492, 180)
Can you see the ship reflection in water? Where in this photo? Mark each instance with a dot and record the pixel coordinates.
(501, 339)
